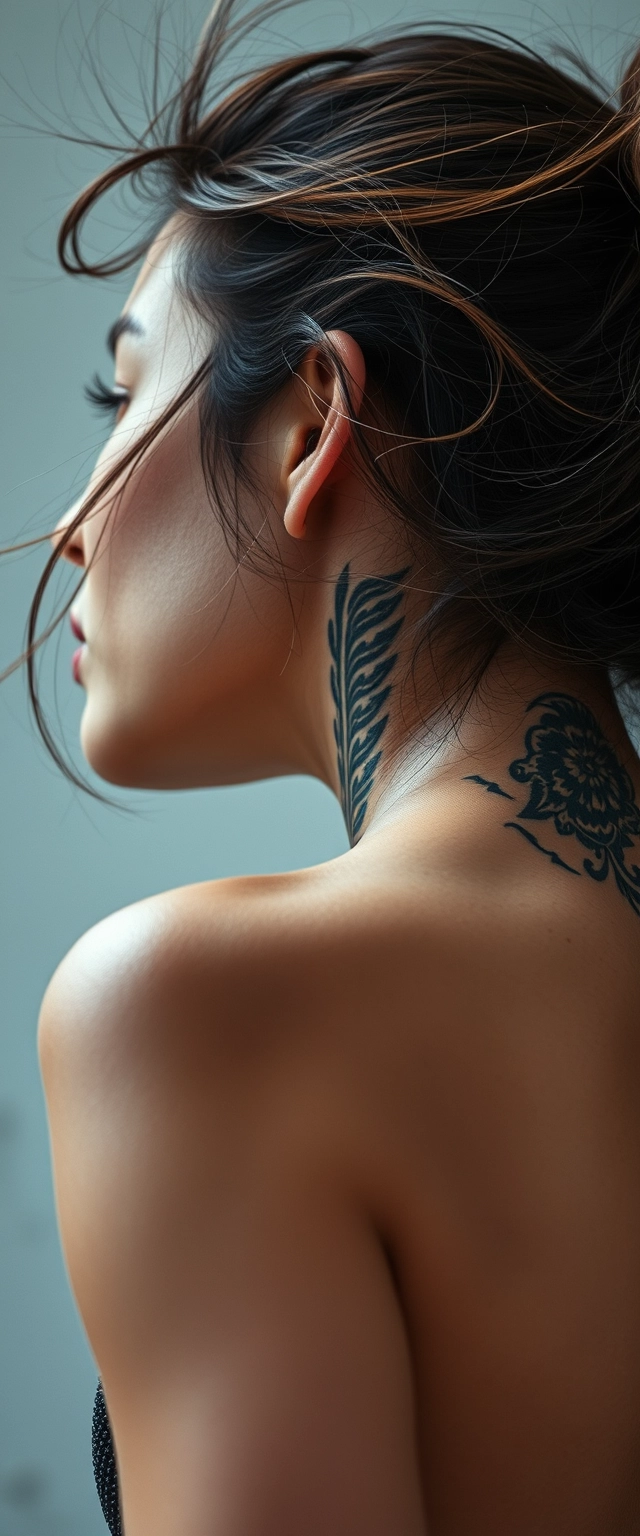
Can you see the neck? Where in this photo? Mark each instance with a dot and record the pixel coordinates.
(388, 743)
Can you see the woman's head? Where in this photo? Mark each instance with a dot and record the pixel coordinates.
(446, 223)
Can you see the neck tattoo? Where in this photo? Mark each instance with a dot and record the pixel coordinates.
(575, 780)
(361, 634)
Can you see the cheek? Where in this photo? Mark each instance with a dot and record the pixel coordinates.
(174, 633)
(163, 557)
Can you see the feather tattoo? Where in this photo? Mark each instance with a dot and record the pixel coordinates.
(361, 636)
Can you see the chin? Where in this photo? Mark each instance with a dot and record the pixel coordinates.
(122, 754)
(164, 748)
(130, 754)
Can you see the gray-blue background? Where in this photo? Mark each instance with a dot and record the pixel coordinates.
(66, 861)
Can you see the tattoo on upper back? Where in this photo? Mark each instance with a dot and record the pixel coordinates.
(490, 785)
(361, 640)
(575, 780)
(550, 852)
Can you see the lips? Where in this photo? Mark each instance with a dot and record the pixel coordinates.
(76, 659)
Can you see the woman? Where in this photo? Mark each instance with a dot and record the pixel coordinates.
(348, 1160)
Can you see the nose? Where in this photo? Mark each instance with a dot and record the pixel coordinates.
(74, 547)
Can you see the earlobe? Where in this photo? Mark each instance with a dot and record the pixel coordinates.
(323, 445)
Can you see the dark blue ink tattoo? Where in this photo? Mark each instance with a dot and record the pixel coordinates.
(531, 838)
(489, 784)
(576, 780)
(360, 641)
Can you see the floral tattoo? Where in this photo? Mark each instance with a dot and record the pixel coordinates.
(576, 780)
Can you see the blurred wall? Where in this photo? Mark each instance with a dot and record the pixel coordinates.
(66, 861)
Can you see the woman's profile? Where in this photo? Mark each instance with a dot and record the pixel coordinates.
(347, 1161)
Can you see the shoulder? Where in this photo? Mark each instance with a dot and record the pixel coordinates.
(193, 949)
(228, 966)
(233, 934)
(342, 958)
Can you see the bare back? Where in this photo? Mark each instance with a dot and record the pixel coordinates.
(392, 1222)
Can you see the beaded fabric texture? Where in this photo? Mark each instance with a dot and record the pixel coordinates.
(104, 1465)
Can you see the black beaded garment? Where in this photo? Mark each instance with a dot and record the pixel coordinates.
(105, 1470)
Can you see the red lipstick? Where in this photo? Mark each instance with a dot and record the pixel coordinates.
(76, 628)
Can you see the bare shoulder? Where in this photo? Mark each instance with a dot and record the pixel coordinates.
(226, 967)
(186, 952)
(350, 937)
(402, 985)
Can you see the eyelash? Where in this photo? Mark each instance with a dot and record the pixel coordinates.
(105, 398)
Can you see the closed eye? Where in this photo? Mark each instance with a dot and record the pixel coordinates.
(112, 399)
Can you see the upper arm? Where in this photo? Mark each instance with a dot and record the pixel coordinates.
(234, 1290)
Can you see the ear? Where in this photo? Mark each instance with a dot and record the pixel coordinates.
(322, 429)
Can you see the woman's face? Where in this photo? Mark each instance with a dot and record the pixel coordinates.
(185, 661)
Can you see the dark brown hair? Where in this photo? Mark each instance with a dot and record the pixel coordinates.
(470, 213)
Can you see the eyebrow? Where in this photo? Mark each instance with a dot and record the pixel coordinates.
(124, 325)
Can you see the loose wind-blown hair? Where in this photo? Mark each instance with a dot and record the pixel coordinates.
(470, 213)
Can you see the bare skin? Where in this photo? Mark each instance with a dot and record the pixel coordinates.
(347, 1161)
